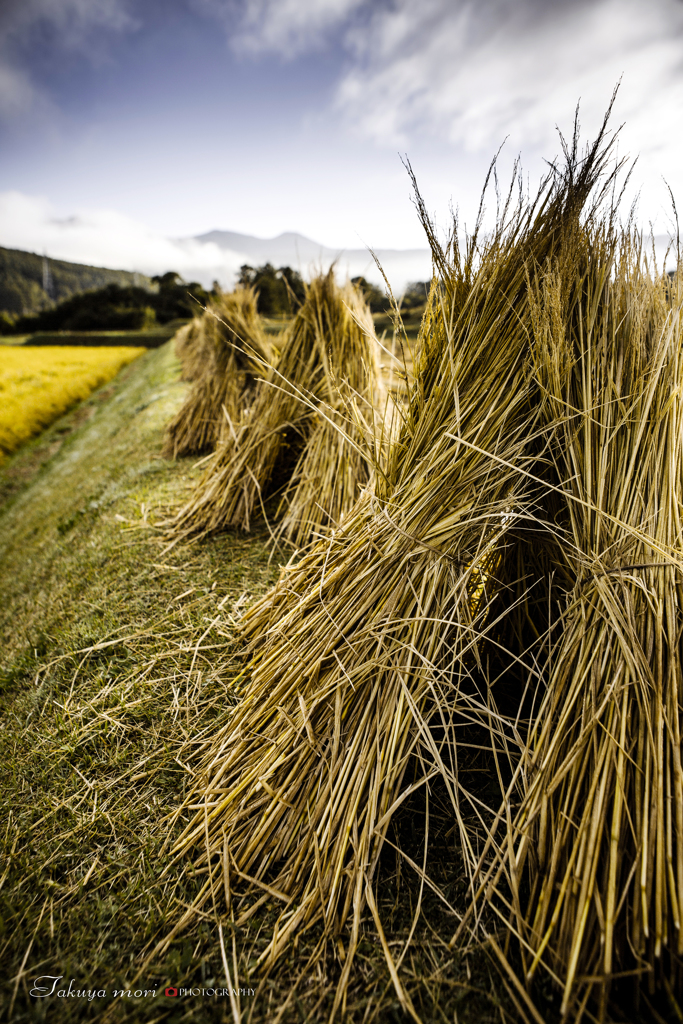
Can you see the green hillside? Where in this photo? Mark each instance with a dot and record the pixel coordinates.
(23, 276)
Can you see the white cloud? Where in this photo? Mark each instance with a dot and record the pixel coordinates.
(286, 27)
(479, 72)
(72, 21)
(474, 72)
(17, 93)
(110, 239)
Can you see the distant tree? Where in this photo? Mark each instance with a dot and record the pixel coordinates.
(279, 291)
(121, 308)
(375, 298)
(168, 280)
(110, 308)
(7, 323)
(296, 291)
(176, 299)
(415, 294)
(19, 295)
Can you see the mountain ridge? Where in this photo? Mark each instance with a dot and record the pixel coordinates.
(288, 244)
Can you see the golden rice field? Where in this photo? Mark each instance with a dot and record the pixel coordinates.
(37, 385)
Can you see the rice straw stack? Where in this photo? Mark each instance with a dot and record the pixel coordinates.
(306, 430)
(222, 351)
(594, 855)
(189, 348)
(375, 635)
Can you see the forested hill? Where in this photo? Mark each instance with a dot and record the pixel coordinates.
(24, 275)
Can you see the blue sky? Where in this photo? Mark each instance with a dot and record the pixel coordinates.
(127, 122)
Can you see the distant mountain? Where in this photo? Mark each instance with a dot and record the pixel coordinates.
(305, 255)
(289, 248)
(30, 283)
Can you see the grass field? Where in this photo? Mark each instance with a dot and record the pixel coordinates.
(37, 385)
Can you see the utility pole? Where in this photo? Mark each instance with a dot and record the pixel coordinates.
(47, 281)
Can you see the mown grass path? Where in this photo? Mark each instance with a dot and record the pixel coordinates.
(89, 742)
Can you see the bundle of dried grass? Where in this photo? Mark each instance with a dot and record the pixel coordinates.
(594, 856)
(375, 635)
(306, 429)
(223, 352)
(189, 348)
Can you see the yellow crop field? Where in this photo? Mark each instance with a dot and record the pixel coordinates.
(37, 385)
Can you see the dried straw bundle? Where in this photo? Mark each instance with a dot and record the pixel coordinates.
(594, 855)
(375, 634)
(222, 351)
(334, 464)
(306, 428)
(189, 348)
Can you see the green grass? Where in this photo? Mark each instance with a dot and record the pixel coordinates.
(78, 571)
(117, 658)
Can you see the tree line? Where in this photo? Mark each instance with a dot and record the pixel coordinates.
(118, 308)
(130, 307)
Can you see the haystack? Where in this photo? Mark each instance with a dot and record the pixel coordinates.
(224, 352)
(378, 633)
(594, 856)
(189, 348)
(305, 432)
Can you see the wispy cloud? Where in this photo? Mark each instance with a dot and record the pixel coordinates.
(72, 21)
(469, 71)
(101, 237)
(17, 93)
(70, 26)
(476, 71)
(286, 27)
(479, 72)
